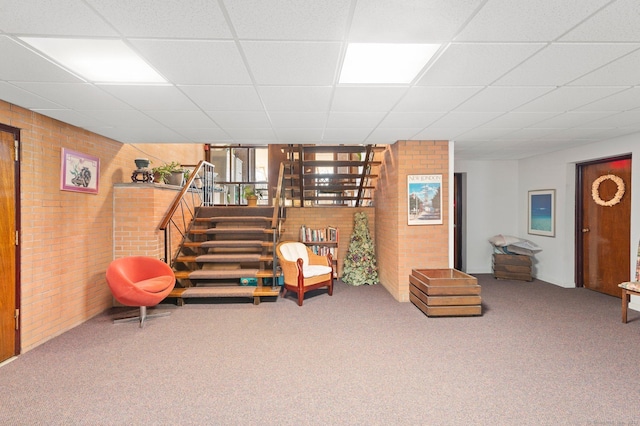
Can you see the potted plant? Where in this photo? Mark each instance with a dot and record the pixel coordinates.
(250, 196)
(169, 173)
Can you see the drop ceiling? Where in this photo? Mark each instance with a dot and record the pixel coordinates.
(512, 79)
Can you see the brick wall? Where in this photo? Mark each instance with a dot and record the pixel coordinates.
(401, 247)
(321, 217)
(66, 238)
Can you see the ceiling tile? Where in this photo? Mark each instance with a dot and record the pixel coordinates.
(75, 95)
(559, 64)
(150, 97)
(195, 62)
(18, 96)
(568, 98)
(124, 118)
(437, 133)
(60, 17)
(224, 98)
(289, 20)
(572, 119)
(292, 63)
(619, 21)
(470, 119)
(206, 135)
(240, 118)
(501, 99)
(413, 21)
(197, 18)
(298, 119)
(476, 64)
(518, 120)
(418, 120)
(621, 72)
(623, 119)
(296, 135)
(366, 99)
(348, 135)
(434, 99)
(70, 117)
(354, 119)
(305, 99)
(180, 119)
(621, 101)
(539, 20)
(25, 65)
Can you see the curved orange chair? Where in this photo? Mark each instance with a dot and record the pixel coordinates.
(140, 281)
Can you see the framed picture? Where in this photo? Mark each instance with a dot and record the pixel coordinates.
(79, 172)
(424, 198)
(542, 212)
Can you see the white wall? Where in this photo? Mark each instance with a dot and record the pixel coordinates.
(491, 208)
(496, 202)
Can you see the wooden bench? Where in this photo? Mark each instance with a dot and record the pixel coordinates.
(629, 289)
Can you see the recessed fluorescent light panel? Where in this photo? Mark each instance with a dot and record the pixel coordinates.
(99, 61)
(380, 63)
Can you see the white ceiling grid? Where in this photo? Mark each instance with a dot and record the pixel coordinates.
(513, 78)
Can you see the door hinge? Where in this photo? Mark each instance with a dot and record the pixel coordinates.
(17, 237)
(17, 316)
(16, 147)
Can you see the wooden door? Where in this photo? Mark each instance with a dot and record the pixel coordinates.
(604, 224)
(8, 251)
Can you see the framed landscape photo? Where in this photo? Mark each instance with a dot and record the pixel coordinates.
(424, 199)
(542, 212)
(79, 172)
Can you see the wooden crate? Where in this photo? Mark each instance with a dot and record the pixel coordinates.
(512, 267)
(445, 292)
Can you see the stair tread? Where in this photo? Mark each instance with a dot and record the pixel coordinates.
(224, 291)
(233, 257)
(229, 243)
(234, 219)
(242, 230)
(229, 273)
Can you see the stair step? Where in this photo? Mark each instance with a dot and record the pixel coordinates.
(226, 258)
(243, 230)
(228, 243)
(234, 219)
(212, 274)
(224, 291)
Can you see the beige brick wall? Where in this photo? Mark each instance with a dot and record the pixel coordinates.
(401, 247)
(66, 240)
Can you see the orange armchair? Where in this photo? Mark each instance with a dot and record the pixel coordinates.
(303, 269)
(140, 281)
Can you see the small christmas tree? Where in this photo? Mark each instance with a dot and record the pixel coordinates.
(360, 262)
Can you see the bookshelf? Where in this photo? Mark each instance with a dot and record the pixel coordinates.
(322, 241)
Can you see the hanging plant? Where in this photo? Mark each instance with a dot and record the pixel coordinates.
(595, 190)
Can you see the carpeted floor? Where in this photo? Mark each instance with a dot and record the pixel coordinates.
(539, 355)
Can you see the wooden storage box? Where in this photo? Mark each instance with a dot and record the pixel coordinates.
(512, 267)
(445, 292)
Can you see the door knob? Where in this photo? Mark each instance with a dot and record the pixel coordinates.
(584, 230)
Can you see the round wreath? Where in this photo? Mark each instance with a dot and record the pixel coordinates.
(595, 190)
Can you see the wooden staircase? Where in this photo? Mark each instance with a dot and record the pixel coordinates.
(225, 246)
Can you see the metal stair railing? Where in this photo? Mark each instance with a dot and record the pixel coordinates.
(198, 191)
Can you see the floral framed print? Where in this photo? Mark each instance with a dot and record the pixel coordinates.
(542, 212)
(424, 199)
(79, 172)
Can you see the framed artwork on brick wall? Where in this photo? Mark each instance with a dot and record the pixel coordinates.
(79, 172)
(424, 197)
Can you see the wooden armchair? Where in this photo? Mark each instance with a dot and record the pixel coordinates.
(303, 269)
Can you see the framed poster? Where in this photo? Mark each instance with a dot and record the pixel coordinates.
(424, 198)
(542, 212)
(79, 172)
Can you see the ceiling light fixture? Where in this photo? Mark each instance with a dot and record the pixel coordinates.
(380, 63)
(97, 60)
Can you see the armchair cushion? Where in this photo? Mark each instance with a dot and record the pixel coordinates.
(295, 251)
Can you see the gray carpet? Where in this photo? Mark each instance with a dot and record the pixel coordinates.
(539, 355)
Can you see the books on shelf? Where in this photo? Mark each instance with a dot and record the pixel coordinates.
(323, 250)
(311, 235)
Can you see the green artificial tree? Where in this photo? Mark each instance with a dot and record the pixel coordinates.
(360, 262)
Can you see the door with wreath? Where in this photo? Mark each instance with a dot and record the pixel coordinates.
(604, 224)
